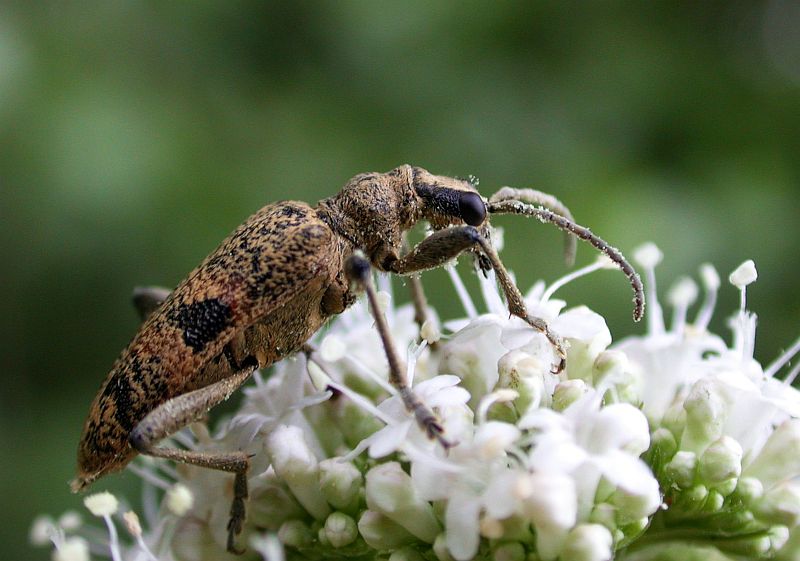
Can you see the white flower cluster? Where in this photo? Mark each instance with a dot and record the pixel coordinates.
(665, 446)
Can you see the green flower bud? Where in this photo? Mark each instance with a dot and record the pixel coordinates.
(749, 489)
(406, 554)
(381, 533)
(681, 469)
(779, 459)
(706, 411)
(509, 551)
(340, 529)
(568, 392)
(721, 461)
(390, 491)
(295, 463)
(295, 533)
(440, 548)
(588, 542)
(780, 504)
(525, 374)
(340, 482)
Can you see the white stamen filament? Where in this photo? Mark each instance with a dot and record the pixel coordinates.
(149, 476)
(113, 538)
(785, 357)
(576, 274)
(711, 284)
(461, 290)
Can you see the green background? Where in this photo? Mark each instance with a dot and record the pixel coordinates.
(135, 135)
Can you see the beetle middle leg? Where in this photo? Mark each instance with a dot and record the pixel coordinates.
(444, 245)
(358, 270)
(178, 412)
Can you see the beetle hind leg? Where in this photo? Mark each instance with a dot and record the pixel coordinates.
(179, 411)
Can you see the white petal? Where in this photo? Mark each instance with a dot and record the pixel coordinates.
(388, 439)
(461, 521)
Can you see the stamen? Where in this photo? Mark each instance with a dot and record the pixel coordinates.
(778, 363)
(711, 285)
(745, 335)
(491, 296)
(413, 354)
(600, 263)
(461, 290)
(792, 375)
(649, 256)
(682, 295)
(149, 476)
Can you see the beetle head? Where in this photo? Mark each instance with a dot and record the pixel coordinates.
(448, 201)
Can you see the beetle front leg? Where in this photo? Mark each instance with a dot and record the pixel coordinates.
(358, 270)
(445, 245)
(178, 412)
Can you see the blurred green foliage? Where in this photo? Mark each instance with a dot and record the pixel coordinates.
(135, 135)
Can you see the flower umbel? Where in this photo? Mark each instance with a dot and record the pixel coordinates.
(662, 446)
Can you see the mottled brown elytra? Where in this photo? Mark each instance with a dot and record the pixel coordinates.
(272, 284)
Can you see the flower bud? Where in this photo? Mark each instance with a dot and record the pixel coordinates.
(749, 489)
(662, 448)
(406, 554)
(340, 482)
(588, 542)
(340, 529)
(705, 416)
(295, 533)
(587, 335)
(780, 504)
(779, 459)
(509, 551)
(440, 548)
(681, 469)
(295, 463)
(567, 393)
(721, 461)
(391, 492)
(524, 373)
(381, 533)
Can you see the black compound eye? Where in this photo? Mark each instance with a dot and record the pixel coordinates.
(471, 208)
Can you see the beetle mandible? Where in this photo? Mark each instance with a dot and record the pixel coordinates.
(272, 284)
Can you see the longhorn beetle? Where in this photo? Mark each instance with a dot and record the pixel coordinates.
(272, 284)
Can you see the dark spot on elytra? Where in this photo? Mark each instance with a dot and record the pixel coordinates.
(202, 322)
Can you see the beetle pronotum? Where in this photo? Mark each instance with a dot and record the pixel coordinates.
(272, 284)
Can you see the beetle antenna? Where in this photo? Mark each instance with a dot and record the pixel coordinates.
(548, 201)
(511, 206)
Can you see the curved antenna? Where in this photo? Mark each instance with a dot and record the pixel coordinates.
(540, 198)
(510, 206)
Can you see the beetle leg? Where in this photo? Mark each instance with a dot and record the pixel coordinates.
(358, 270)
(178, 412)
(418, 298)
(147, 299)
(445, 245)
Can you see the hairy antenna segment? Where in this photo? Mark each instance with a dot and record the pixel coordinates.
(511, 206)
(548, 201)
